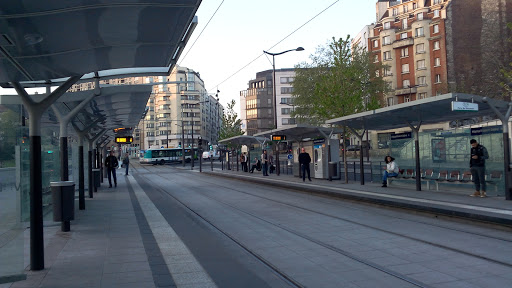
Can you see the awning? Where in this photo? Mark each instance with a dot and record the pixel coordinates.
(298, 132)
(244, 140)
(431, 110)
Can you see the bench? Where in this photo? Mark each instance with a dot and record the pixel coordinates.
(494, 179)
(409, 174)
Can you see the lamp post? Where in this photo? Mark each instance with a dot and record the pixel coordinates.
(274, 100)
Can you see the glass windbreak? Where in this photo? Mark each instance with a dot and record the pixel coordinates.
(12, 138)
(450, 151)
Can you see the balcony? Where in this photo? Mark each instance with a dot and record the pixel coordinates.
(403, 43)
(406, 90)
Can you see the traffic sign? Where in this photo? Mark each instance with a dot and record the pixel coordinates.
(290, 156)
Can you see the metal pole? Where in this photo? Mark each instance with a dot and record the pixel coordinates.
(361, 164)
(81, 188)
(182, 138)
(506, 162)
(193, 154)
(64, 173)
(417, 155)
(274, 100)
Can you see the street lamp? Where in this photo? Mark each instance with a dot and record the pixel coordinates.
(274, 99)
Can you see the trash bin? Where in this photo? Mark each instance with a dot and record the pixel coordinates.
(333, 171)
(63, 196)
(96, 176)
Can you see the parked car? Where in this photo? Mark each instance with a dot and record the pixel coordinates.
(353, 148)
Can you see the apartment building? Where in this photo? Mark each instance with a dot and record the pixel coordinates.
(179, 105)
(432, 47)
(410, 40)
(256, 104)
(178, 110)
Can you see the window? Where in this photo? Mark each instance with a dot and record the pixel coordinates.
(436, 13)
(286, 100)
(407, 98)
(420, 48)
(387, 55)
(437, 2)
(377, 73)
(286, 90)
(375, 58)
(436, 28)
(419, 16)
(387, 71)
(422, 95)
(404, 52)
(438, 78)
(404, 23)
(403, 35)
(395, 12)
(375, 43)
(420, 65)
(386, 40)
(437, 62)
(286, 111)
(422, 81)
(390, 101)
(406, 8)
(406, 83)
(419, 32)
(414, 5)
(436, 45)
(288, 121)
(405, 69)
(387, 25)
(285, 80)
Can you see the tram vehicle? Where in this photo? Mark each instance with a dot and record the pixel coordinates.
(166, 155)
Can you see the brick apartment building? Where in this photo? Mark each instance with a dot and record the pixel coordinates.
(432, 47)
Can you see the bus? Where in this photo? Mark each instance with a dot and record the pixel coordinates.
(166, 155)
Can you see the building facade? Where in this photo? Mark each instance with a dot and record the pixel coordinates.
(178, 110)
(432, 47)
(256, 103)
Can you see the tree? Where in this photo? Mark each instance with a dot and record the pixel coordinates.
(340, 81)
(231, 126)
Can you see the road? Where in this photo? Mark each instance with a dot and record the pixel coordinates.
(248, 235)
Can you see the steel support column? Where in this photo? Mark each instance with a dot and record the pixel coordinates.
(415, 131)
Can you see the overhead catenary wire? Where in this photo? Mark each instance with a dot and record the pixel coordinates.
(305, 23)
(192, 46)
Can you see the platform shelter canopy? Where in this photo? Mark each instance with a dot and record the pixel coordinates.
(298, 132)
(47, 40)
(431, 110)
(244, 140)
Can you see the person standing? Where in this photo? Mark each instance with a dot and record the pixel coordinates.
(112, 164)
(245, 162)
(477, 166)
(391, 170)
(304, 160)
(264, 161)
(126, 162)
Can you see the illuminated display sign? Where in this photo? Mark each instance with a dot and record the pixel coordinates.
(124, 139)
(278, 137)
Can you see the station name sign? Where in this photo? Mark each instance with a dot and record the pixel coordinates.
(486, 130)
(399, 136)
(464, 106)
(127, 140)
(278, 137)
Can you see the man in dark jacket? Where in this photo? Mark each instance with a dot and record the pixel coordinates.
(112, 164)
(304, 160)
(477, 165)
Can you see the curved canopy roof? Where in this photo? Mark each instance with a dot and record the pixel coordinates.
(45, 40)
(431, 110)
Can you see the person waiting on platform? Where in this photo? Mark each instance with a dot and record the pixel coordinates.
(111, 163)
(256, 165)
(391, 170)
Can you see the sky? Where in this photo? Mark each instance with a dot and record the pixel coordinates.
(241, 29)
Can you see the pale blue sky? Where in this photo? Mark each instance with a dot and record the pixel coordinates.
(242, 29)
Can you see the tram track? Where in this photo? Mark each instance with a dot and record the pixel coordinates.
(386, 230)
(288, 230)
